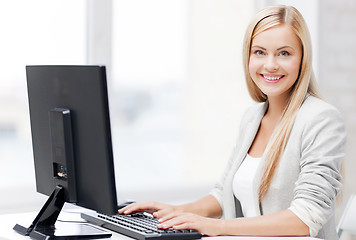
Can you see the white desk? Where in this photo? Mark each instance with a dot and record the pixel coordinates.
(8, 221)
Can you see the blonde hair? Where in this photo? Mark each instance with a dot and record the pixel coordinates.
(305, 83)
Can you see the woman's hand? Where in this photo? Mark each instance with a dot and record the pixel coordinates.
(171, 216)
(157, 209)
(182, 220)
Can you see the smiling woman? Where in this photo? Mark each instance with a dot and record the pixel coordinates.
(275, 60)
(274, 67)
(291, 144)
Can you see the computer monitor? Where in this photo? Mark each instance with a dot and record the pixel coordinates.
(72, 146)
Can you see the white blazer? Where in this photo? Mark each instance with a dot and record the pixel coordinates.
(307, 179)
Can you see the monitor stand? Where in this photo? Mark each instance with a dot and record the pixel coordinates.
(45, 227)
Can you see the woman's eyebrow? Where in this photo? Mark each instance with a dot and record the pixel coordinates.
(284, 47)
(256, 46)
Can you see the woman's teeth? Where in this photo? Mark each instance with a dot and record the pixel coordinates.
(270, 78)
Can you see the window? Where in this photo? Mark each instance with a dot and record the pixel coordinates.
(176, 88)
(148, 74)
(176, 81)
(33, 32)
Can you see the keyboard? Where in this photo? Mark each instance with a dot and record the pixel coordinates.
(139, 226)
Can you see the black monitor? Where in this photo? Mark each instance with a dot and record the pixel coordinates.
(72, 147)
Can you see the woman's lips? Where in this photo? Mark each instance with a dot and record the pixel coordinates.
(272, 78)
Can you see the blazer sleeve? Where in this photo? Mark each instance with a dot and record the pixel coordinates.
(319, 182)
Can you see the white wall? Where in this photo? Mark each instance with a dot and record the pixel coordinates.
(337, 64)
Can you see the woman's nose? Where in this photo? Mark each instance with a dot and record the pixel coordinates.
(271, 64)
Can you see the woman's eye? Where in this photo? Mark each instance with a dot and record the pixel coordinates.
(259, 53)
(284, 54)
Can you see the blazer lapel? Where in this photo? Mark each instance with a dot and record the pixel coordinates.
(249, 133)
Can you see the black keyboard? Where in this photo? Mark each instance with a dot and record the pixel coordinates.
(139, 226)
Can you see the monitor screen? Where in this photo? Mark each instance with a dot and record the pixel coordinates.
(83, 91)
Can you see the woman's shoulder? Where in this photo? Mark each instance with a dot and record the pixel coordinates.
(315, 113)
(313, 106)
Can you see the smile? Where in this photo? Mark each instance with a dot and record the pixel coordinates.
(272, 78)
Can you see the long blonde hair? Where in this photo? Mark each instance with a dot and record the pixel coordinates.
(267, 18)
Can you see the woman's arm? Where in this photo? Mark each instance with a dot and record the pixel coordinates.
(207, 207)
(283, 223)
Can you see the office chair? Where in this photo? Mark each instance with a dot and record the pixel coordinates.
(348, 219)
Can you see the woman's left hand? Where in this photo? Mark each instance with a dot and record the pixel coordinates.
(183, 220)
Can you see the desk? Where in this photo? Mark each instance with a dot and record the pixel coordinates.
(8, 221)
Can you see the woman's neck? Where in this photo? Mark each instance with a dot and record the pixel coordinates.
(276, 106)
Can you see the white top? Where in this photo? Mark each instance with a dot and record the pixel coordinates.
(242, 185)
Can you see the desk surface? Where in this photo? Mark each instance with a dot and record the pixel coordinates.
(8, 221)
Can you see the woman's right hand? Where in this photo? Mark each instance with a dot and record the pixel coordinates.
(157, 209)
